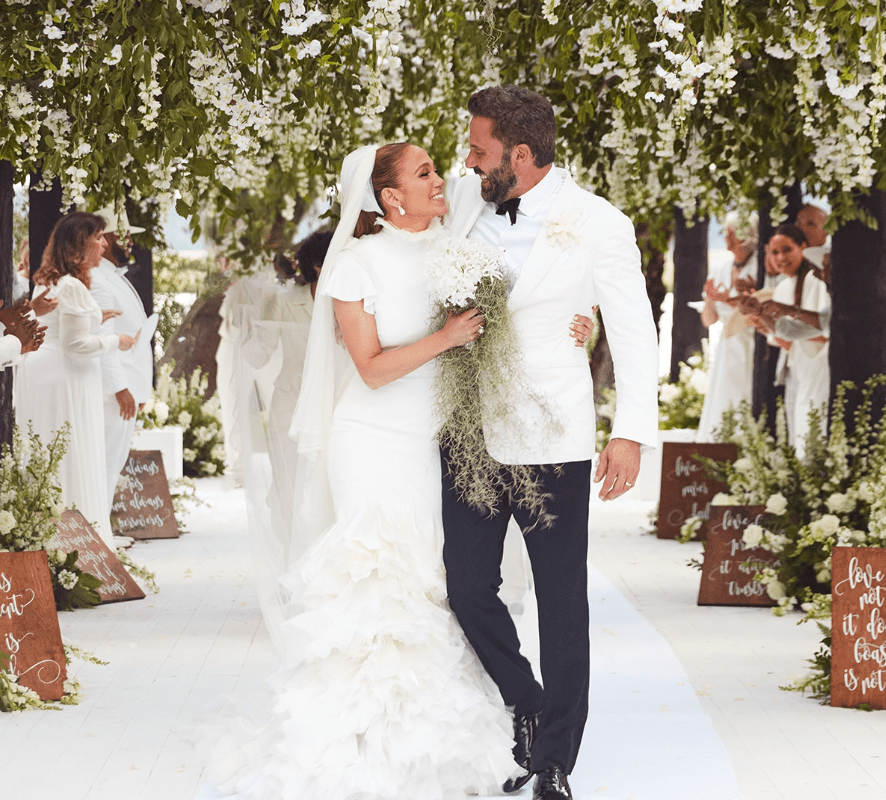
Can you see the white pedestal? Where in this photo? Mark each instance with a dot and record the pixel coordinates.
(169, 442)
(649, 482)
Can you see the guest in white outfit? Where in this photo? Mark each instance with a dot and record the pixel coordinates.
(803, 365)
(126, 375)
(62, 383)
(732, 371)
(811, 219)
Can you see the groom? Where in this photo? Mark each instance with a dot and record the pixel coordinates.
(563, 246)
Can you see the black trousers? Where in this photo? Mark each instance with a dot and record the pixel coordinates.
(472, 554)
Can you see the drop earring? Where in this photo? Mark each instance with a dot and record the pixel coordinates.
(402, 212)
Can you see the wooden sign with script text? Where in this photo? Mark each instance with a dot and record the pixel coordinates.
(29, 632)
(143, 510)
(686, 489)
(94, 557)
(858, 627)
(727, 576)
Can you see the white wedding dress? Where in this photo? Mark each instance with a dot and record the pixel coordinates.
(379, 697)
(62, 382)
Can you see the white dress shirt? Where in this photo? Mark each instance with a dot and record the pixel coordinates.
(515, 241)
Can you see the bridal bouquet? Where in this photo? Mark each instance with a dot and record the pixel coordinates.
(478, 380)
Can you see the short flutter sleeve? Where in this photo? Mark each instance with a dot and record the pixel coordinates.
(351, 280)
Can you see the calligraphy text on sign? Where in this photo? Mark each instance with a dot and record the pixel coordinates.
(95, 557)
(686, 488)
(143, 509)
(858, 627)
(29, 632)
(727, 576)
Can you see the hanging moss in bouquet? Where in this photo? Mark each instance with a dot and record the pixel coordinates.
(480, 380)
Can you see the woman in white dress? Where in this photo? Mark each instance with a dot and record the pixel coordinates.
(803, 365)
(379, 697)
(62, 381)
(732, 370)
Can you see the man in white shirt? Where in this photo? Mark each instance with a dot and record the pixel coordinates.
(567, 250)
(126, 376)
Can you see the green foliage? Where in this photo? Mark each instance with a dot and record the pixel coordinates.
(181, 402)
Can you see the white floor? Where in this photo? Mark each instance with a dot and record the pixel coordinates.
(669, 712)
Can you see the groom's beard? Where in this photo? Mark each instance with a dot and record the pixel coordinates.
(500, 181)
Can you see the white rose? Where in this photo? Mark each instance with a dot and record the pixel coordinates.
(823, 575)
(7, 521)
(828, 524)
(752, 535)
(161, 411)
(744, 464)
(210, 468)
(184, 419)
(839, 503)
(668, 393)
(723, 499)
(777, 504)
(188, 454)
(694, 361)
(775, 590)
(699, 381)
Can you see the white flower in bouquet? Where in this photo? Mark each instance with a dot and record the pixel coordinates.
(7, 521)
(839, 503)
(217, 453)
(752, 535)
(823, 574)
(188, 454)
(723, 499)
(694, 361)
(201, 435)
(668, 392)
(161, 412)
(456, 268)
(57, 557)
(777, 504)
(184, 419)
(148, 407)
(743, 464)
(209, 468)
(67, 579)
(775, 590)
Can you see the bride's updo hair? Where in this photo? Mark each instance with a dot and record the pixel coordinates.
(385, 175)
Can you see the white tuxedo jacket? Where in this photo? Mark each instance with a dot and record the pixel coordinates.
(131, 369)
(586, 255)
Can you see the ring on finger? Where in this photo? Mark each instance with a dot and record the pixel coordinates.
(480, 329)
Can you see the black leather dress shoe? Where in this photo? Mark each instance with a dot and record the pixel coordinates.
(525, 726)
(551, 784)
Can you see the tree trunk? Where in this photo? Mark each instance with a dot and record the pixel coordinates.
(690, 273)
(858, 295)
(7, 191)
(765, 393)
(653, 268)
(45, 210)
(196, 341)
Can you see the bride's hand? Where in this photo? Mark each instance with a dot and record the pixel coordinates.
(126, 341)
(581, 329)
(463, 328)
(109, 313)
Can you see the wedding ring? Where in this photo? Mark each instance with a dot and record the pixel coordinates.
(480, 330)
(628, 483)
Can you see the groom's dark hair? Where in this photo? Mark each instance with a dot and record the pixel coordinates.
(519, 116)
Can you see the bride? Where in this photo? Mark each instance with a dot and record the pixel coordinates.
(378, 697)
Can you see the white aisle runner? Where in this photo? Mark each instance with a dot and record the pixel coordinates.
(647, 737)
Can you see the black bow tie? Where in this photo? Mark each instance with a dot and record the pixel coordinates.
(509, 206)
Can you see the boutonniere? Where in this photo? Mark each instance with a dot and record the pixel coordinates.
(563, 229)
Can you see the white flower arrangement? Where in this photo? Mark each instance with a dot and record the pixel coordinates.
(456, 269)
(182, 401)
(476, 383)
